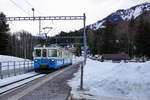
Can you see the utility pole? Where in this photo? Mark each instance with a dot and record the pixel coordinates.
(39, 27)
(33, 11)
(84, 38)
(85, 54)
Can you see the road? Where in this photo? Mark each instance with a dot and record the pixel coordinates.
(50, 87)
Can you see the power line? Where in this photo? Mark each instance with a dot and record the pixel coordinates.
(36, 9)
(28, 3)
(32, 6)
(18, 6)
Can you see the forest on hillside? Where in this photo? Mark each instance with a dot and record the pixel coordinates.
(131, 37)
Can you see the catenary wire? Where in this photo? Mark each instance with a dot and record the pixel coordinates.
(18, 6)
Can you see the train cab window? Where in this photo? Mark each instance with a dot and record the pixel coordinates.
(52, 53)
(38, 53)
(44, 53)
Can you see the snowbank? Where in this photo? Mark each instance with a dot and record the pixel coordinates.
(4, 58)
(126, 81)
(9, 60)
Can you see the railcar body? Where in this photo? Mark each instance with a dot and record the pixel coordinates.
(51, 57)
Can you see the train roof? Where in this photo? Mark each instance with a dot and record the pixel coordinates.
(50, 46)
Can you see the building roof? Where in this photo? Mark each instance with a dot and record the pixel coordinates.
(121, 56)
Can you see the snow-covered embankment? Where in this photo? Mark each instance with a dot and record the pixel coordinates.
(116, 80)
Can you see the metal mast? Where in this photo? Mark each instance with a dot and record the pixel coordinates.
(40, 18)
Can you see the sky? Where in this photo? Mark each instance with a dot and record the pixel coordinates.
(94, 9)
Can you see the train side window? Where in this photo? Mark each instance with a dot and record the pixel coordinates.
(52, 53)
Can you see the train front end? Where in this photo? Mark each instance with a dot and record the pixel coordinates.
(45, 59)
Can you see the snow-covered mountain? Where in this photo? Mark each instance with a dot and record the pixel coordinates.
(122, 15)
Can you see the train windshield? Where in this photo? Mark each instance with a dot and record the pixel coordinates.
(38, 53)
(44, 53)
(52, 53)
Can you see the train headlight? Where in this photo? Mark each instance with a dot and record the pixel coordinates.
(35, 60)
(52, 60)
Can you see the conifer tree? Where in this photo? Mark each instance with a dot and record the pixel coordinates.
(108, 38)
(131, 32)
(4, 28)
(139, 37)
(142, 38)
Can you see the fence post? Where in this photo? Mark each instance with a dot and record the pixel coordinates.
(32, 65)
(8, 70)
(1, 75)
(14, 68)
(19, 68)
(28, 66)
(24, 68)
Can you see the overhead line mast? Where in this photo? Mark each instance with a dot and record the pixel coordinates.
(39, 18)
(42, 18)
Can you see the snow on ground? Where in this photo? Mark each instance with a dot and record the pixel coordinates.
(17, 78)
(121, 81)
(4, 58)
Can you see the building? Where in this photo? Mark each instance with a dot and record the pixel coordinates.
(115, 57)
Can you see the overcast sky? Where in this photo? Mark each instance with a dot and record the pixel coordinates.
(95, 10)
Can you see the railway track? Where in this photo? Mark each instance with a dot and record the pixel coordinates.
(14, 85)
(8, 88)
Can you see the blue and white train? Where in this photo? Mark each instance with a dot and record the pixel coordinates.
(51, 57)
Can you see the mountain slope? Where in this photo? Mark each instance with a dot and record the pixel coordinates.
(122, 15)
